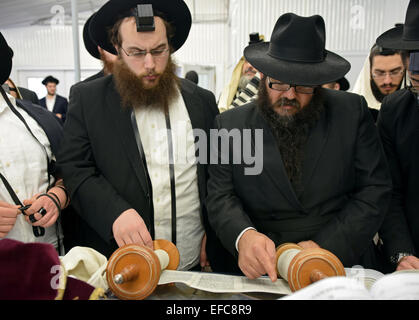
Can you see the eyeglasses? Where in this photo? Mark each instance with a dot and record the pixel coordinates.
(141, 54)
(392, 74)
(279, 86)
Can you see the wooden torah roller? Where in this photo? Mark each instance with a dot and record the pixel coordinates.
(302, 267)
(133, 271)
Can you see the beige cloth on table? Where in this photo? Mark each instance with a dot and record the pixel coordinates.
(86, 264)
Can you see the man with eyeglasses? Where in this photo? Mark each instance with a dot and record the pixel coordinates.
(128, 151)
(398, 127)
(324, 182)
(384, 73)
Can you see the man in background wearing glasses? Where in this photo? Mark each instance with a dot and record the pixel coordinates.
(383, 74)
(325, 182)
(128, 149)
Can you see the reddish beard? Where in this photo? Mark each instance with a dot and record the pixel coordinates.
(133, 92)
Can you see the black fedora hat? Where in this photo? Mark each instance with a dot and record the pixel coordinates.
(6, 55)
(403, 37)
(296, 53)
(49, 79)
(176, 12)
(89, 43)
(254, 37)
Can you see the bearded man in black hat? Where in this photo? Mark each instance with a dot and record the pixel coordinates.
(398, 126)
(324, 181)
(127, 135)
(52, 101)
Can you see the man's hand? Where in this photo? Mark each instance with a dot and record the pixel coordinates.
(308, 244)
(257, 255)
(129, 228)
(8, 215)
(408, 263)
(46, 220)
(59, 115)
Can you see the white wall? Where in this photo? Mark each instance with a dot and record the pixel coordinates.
(351, 29)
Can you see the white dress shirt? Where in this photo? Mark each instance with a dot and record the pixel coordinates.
(23, 163)
(189, 226)
(50, 102)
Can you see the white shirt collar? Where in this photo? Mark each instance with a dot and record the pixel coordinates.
(3, 103)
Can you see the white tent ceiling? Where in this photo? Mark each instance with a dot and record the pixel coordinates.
(18, 13)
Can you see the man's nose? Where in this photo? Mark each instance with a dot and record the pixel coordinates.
(149, 63)
(289, 94)
(387, 79)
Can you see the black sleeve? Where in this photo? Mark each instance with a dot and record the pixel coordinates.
(91, 194)
(394, 231)
(353, 228)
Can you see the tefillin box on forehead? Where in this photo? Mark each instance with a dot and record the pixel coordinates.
(144, 17)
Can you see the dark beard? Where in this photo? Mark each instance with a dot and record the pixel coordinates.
(291, 132)
(376, 91)
(135, 95)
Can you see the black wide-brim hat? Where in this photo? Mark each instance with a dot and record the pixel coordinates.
(50, 79)
(176, 12)
(296, 53)
(406, 36)
(89, 43)
(6, 55)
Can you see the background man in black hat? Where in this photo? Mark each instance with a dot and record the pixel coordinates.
(118, 155)
(52, 101)
(244, 74)
(398, 126)
(325, 182)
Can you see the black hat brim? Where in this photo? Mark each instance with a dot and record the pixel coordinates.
(393, 39)
(176, 11)
(302, 73)
(89, 43)
(6, 62)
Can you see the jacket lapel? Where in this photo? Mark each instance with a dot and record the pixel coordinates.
(122, 120)
(272, 163)
(195, 110)
(193, 105)
(314, 148)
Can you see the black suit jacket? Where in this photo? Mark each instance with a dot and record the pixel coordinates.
(98, 75)
(398, 125)
(28, 95)
(345, 178)
(60, 106)
(101, 164)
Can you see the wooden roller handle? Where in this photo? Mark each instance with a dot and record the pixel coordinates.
(317, 275)
(127, 274)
